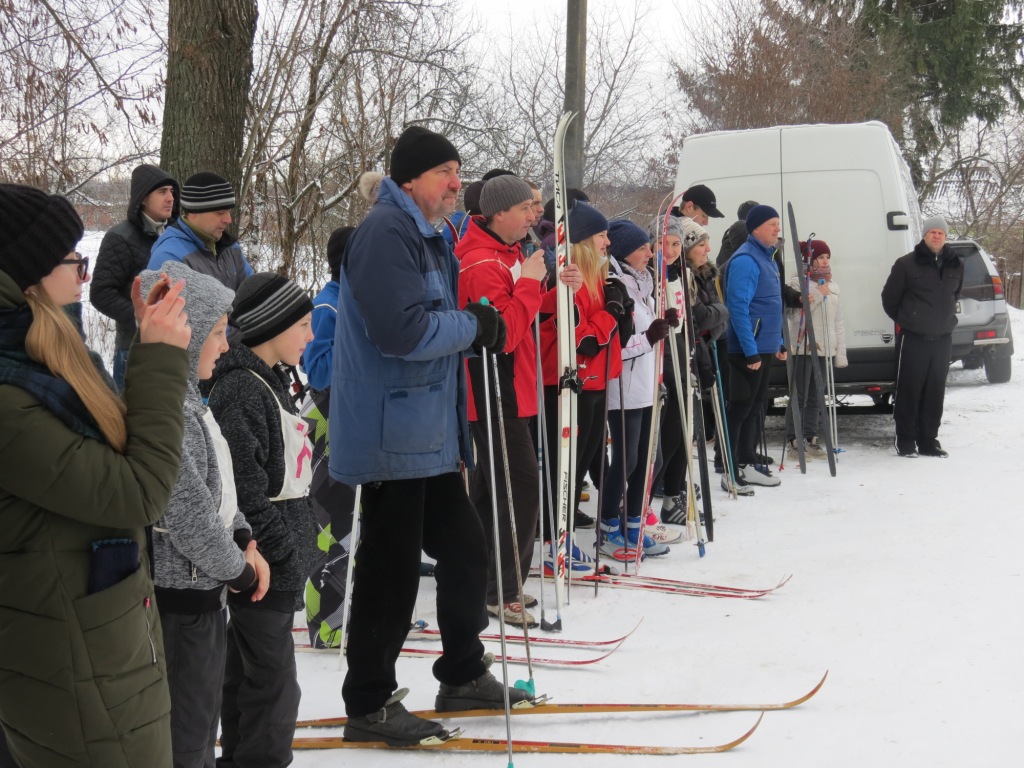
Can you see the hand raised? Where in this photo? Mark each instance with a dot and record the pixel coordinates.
(164, 321)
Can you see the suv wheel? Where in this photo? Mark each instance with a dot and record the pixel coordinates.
(997, 368)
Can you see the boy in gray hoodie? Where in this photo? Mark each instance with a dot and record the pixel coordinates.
(202, 542)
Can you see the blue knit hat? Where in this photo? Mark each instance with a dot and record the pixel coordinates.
(758, 215)
(585, 221)
(625, 237)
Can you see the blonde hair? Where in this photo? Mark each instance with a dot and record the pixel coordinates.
(53, 341)
(593, 266)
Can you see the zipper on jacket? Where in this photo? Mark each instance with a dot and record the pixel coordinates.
(148, 603)
(194, 572)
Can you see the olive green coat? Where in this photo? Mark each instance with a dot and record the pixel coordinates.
(82, 677)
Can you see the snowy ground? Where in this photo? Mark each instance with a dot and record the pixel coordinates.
(907, 586)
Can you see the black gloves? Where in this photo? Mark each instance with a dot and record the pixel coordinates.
(616, 299)
(659, 327)
(490, 328)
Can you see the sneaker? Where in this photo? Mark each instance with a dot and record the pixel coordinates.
(486, 692)
(661, 533)
(759, 474)
(742, 488)
(652, 548)
(906, 449)
(394, 725)
(581, 564)
(514, 613)
(932, 448)
(582, 520)
(673, 511)
(529, 600)
(812, 449)
(613, 543)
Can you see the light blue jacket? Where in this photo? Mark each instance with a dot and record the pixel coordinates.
(398, 392)
(180, 243)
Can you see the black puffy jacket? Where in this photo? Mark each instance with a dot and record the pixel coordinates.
(922, 290)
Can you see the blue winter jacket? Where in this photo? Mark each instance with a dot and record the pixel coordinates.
(398, 391)
(317, 360)
(753, 295)
(180, 243)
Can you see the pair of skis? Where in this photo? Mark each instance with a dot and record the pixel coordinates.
(803, 269)
(497, 745)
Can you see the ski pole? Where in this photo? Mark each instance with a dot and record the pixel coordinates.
(357, 514)
(543, 479)
(497, 555)
(726, 450)
(601, 471)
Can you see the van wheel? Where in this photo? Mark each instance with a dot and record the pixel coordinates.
(997, 369)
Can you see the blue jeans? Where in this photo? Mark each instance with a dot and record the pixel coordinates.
(120, 366)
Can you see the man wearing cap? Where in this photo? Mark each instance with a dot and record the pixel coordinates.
(125, 252)
(698, 204)
(200, 238)
(398, 429)
(753, 296)
(920, 296)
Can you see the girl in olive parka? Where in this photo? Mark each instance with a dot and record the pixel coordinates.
(82, 677)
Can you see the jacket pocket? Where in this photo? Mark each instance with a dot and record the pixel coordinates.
(412, 418)
(119, 627)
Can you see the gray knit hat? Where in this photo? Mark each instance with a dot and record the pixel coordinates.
(266, 305)
(934, 222)
(204, 192)
(672, 227)
(503, 192)
(206, 301)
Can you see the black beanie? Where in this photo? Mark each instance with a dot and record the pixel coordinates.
(37, 231)
(572, 194)
(206, 191)
(418, 150)
(585, 221)
(471, 198)
(336, 249)
(758, 215)
(267, 304)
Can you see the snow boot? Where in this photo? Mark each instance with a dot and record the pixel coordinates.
(652, 548)
(759, 474)
(613, 543)
(581, 564)
(395, 725)
(486, 692)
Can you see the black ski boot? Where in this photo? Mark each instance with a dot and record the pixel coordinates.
(395, 725)
(486, 692)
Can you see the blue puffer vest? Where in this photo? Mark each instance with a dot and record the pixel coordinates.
(754, 298)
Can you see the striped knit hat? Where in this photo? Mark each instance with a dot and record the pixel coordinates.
(267, 304)
(206, 191)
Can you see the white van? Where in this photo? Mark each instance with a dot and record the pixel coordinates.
(850, 187)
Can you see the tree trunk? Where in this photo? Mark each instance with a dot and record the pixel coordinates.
(209, 65)
(575, 88)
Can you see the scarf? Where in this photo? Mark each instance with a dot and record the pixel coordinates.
(19, 370)
(820, 273)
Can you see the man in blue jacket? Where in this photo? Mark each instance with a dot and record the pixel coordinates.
(398, 428)
(200, 238)
(754, 297)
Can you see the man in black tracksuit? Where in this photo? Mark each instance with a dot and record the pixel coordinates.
(920, 296)
(124, 253)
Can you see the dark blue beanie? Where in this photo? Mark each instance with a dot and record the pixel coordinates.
(758, 215)
(625, 238)
(585, 221)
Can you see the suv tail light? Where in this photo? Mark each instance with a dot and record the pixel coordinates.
(985, 334)
(997, 286)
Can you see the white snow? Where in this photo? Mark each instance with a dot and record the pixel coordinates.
(907, 587)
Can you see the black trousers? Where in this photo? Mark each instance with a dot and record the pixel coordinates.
(261, 690)
(522, 479)
(6, 761)
(920, 389)
(194, 645)
(590, 430)
(744, 412)
(401, 518)
(629, 455)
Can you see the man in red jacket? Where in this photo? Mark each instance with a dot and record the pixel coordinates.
(493, 267)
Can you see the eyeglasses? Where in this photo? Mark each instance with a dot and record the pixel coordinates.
(82, 262)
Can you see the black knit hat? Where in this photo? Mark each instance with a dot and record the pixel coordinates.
(625, 236)
(571, 194)
(471, 197)
(418, 150)
(336, 249)
(758, 215)
(37, 231)
(206, 191)
(585, 221)
(267, 304)
(503, 192)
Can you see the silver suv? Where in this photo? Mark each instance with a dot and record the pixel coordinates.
(982, 335)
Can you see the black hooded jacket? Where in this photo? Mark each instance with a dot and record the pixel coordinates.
(124, 253)
(922, 290)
